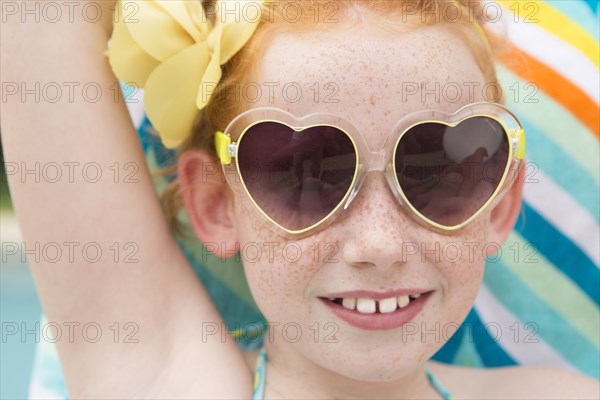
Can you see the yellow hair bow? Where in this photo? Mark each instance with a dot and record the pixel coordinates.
(172, 50)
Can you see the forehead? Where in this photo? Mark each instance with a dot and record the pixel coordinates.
(370, 78)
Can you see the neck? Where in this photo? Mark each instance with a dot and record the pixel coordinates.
(291, 375)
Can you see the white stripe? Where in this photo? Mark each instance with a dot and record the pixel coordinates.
(11, 231)
(135, 106)
(557, 54)
(511, 334)
(562, 211)
(39, 392)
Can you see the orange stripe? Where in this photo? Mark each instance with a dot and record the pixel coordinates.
(555, 85)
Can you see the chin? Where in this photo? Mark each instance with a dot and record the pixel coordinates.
(378, 370)
(372, 360)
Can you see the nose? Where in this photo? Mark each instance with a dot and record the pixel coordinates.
(377, 228)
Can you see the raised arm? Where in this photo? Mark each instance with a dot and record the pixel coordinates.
(119, 271)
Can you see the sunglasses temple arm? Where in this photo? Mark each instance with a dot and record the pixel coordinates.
(222, 146)
(517, 137)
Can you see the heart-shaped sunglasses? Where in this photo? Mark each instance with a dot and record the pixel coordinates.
(300, 173)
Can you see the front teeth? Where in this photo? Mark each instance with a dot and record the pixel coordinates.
(370, 306)
(366, 306)
(388, 305)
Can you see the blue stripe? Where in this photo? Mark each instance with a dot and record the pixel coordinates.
(527, 307)
(144, 135)
(594, 5)
(560, 251)
(164, 157)
(448, 351)
(474, 332)
(542, 152)
(491, 353)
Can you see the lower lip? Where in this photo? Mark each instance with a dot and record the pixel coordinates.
(379, 321)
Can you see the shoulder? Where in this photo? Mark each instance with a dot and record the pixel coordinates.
(520, 382)
(544, 382)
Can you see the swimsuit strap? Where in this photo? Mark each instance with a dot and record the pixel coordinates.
(258, 393)
(437, 385)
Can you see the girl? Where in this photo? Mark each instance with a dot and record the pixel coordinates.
(387, 207)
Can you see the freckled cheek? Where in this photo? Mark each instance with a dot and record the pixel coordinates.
(462, 265)
(278, 278)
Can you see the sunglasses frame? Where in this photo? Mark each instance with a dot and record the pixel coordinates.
(367, 160)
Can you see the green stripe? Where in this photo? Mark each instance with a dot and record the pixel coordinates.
(562, 127)
(554, 330)
(229, 272)
(552, 286)
(543, 155)
(467, 354)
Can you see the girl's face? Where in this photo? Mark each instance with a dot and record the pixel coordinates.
(372, 81)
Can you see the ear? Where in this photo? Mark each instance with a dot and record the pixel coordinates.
(208, 201)
(505, 214)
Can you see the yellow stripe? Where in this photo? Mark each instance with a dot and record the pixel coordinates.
(556, 23)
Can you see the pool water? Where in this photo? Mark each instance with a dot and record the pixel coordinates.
(19, 306)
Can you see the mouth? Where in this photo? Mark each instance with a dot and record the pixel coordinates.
(372, 311)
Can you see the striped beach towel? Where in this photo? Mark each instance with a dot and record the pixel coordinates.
(539, 304)
(539, 301)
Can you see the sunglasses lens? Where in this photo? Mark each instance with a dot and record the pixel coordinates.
(296, 177)
(449, 173)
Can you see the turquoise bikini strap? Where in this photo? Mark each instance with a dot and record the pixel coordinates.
(438, 385)
(258, 392)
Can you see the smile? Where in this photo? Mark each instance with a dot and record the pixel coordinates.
(376, 312)
(371, 306)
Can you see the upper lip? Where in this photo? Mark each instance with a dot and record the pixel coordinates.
(367, 294)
